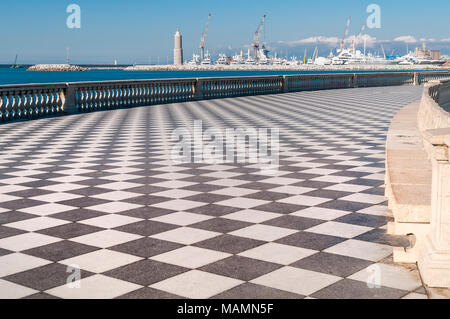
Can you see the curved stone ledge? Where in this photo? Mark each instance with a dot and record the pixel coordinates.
(418, 182)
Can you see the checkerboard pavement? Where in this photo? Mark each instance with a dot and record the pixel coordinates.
(100, 192)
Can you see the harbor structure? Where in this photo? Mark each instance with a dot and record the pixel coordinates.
(425, 53)
(178, 50)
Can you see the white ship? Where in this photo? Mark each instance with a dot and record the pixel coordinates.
(238, 59)
(195, 60)
(250, 60)
(207, 59)
(223, 60)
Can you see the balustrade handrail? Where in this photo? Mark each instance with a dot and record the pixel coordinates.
(37, 100)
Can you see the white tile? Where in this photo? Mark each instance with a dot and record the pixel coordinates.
(8, 198)
(222, 175)
(365, 198)
(119, 186)
(182, 218)
(361, 249)
(252, 216)
(176, 193)
(110, 221)
(172, 176)
(295, 280)
(348, 188)
(18, 180)
(186, 235)
(392, 276)
(101, 260)
(106, 238)
(64, 187)
(95, 287)
(116, 196)
(292, 190)
(56, 197)
(69, 179)
(174, 184)
(9, 290)
(320, 213)
(277, 253)
(241, 202)
(234, 191)
(26, 241)
(12, 188)
(333, 179)
(280, 181)
(15, 263)
(35, 224)
(47, 209)
(114, 207)
(227, 182)
(191, 257)
(339, 229)
(263, 232)
(304, 200)
(320, 171)
(197, 285)
(179, 205)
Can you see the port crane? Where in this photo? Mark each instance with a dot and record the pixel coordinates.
(203, 39)
(359, 37)
(258, 32)
(347, 32)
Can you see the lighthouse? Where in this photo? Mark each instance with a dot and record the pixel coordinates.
(178, 51)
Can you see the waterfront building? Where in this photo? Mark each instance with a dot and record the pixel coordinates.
(178, 51)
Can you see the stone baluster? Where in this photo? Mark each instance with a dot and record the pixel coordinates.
(434, 256)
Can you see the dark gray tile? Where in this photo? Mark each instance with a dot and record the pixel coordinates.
(351, 289)
(267, 195)
(241, 268)
(364, 220)
(146, 228)
(345, 205)
(323, 193)
(311, 240)
(146, 247)
(12, 217)
(341, 266)
(251, 291)
(279, 208)
(41, 296)
(207, 198)
(4, 252)
(71, 230)
(229, 244)
(9, 232)
(146, 272)
(45, 277)
(380, 236)
(77, 215)
(214, 210)
(294, 222)
(60, 251)
(20, 204)
(149, 293)
(221, 225)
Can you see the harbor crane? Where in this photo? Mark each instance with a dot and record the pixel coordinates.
(258, 32)
(203, 39)
(347, 32)
(359, 37)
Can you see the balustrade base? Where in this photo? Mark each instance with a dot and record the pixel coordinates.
(434, 265)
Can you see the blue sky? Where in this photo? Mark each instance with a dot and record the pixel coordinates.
(142, 30)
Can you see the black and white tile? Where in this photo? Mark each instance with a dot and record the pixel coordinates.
(100, 191)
